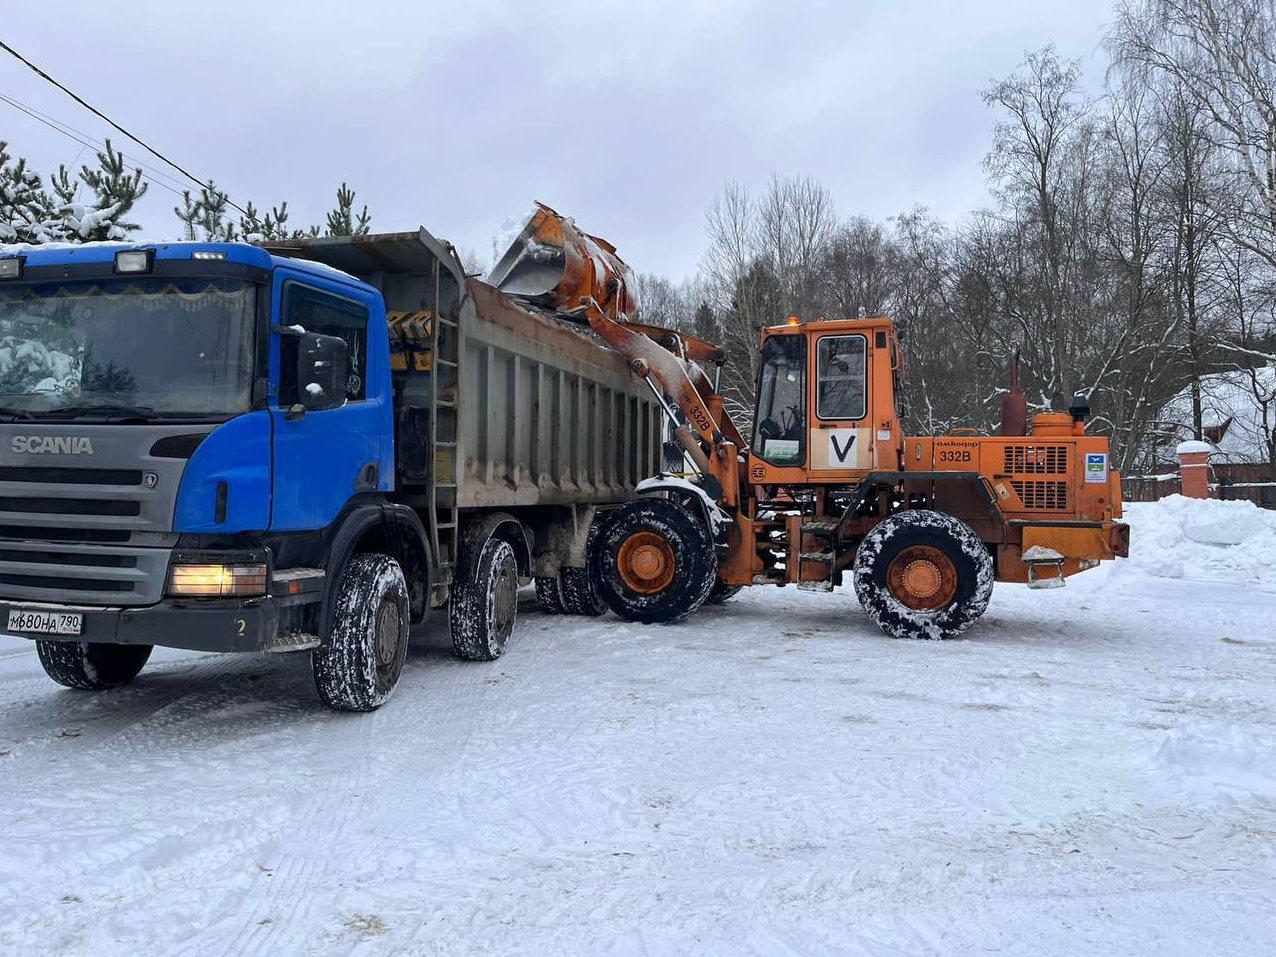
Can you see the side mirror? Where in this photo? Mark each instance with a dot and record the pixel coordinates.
(322, 370)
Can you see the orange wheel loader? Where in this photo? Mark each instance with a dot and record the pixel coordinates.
(830, 484)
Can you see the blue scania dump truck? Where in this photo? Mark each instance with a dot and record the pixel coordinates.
(225, 447)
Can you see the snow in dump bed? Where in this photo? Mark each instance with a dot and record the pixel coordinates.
(1181, 537)
(1088, 772)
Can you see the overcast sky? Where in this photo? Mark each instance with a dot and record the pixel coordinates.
(456, 116)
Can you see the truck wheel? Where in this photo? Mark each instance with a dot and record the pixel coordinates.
(722, 592)
(482, 612)
(550, 596)
(654, 561)
(359, 667)
(91, 665)
(580, 597)
(923, 574)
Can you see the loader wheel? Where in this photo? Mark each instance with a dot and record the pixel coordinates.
(359, 666)
(482, 610)
(923, 574)
(654, 561)
(550, 596)
(722, 592)
(91, 666)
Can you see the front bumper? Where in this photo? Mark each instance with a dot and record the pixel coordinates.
(246, 625)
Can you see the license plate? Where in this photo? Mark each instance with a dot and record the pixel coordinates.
(45, 622)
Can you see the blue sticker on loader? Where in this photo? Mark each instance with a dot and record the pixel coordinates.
(1096, 466)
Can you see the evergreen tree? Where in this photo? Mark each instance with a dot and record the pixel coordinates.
(189, 213)
(341, 220)
(26, 210)
(116, 190)
(214, 221)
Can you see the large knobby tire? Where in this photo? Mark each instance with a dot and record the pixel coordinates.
(91, 666)
(550, 596)
(580, 596)
(923, 574)
(654, 561)
(722, 592)
(482, 610)
(359, 666)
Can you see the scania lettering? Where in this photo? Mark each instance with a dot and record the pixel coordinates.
(62, 444)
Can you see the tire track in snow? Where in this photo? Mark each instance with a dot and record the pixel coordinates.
(429, 718)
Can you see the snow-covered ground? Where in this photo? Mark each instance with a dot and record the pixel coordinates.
(1091, 771)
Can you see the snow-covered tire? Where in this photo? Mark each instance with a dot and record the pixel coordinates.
(359, 666)
(654, 561)
(722, 592)
(91, 666)
(580, 597)
(923, 574)
(482, 611)
(550, 596)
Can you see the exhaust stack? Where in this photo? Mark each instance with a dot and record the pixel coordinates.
(1014, 407)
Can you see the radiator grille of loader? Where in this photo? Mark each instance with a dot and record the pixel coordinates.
(1050, 491)
(1038, 494)
(1037, 459)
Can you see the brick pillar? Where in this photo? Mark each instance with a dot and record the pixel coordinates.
(1194, 468)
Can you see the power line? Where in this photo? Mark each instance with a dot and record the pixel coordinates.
(87, 140)
(92, 109)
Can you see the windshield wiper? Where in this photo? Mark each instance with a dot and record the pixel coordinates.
(108, 413)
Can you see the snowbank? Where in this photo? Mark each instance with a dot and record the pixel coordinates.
(1180, 537)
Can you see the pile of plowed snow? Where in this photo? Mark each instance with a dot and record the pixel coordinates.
(1181, 537)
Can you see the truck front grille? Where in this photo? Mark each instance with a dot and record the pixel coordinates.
(69, 506)
(83, 535)
(82, 573)
(64, 476)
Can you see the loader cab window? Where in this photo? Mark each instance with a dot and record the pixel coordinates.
(328, 315)
(779, 434)
(843, 376)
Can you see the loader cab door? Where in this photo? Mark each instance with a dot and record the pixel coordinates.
(842, 435)
(779, 424)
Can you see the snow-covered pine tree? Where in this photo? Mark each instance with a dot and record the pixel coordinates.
(342, 221)
(116, 189)
(27, 212)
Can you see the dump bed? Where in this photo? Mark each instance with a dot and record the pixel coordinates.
(513, 405)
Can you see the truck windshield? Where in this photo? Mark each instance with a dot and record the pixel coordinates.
(148, 347)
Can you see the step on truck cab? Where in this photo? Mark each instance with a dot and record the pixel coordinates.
(221, 447)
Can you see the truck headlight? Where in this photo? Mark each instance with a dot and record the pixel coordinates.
(189, 580)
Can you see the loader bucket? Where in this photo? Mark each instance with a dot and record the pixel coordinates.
(553, 264)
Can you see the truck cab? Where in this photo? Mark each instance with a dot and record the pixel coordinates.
(186, 431)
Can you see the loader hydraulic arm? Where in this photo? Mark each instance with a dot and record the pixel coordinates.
(662, 371)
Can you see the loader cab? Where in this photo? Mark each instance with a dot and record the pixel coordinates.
(826, 402)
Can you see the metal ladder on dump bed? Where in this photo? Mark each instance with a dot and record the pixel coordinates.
(444, 464)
